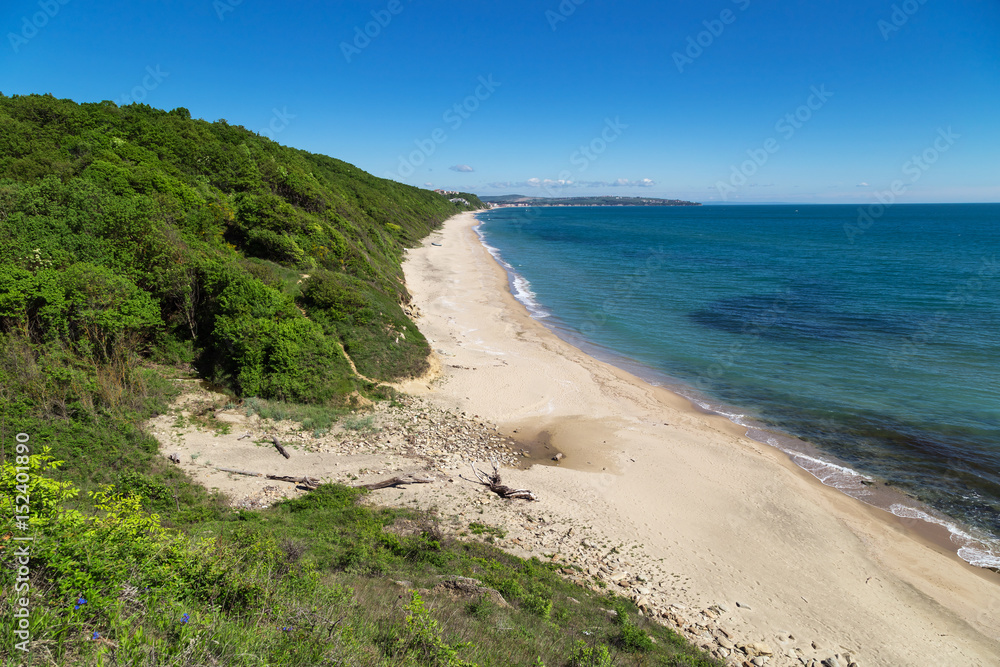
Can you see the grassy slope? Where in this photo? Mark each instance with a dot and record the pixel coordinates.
(135, 243)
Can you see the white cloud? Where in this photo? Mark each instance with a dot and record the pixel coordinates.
(862, 184)
(462, 167)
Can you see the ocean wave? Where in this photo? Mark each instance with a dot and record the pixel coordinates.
(977, 551)
(520, 287)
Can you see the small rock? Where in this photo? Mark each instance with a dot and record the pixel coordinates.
(831, 662)
(558, 457)
(815, 646)
(742, 606)
(759, 661)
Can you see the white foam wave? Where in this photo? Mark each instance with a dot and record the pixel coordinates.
(520, 287)
(976, 551)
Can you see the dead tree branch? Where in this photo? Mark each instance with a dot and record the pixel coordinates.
(396, 481)
(281, 449)
(493, 482)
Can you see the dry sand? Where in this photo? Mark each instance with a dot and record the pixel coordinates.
(724, 518)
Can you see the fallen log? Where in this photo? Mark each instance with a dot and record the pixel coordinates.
(493, 482)
(281, 449)
(309, 483)
(395, 481)
(241, 472)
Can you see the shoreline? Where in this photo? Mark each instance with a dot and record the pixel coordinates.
(796, 535)
(970, 544)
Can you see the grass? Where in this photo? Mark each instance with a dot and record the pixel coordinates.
(317, 418)
(312, 581)
(171, 575)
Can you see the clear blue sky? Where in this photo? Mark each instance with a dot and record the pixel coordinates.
(659, 114)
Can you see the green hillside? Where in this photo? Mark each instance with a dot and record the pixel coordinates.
(139, 231)
(140, 247)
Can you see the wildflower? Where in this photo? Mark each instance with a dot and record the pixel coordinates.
(96, 635)
(79, 603)
(185, 618)
(287, 629)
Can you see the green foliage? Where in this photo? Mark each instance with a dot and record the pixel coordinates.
(589, 656)
(477, 528)
(131, 231)
(422, 639)
(629, 638)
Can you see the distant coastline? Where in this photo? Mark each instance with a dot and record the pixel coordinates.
(506, 201)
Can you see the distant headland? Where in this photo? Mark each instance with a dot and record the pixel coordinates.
(521, 200)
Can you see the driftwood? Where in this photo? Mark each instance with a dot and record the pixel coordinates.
(311, 483)
(281, 450)
(395, 481)
(241, 472)
(493, 482)
(245, 435)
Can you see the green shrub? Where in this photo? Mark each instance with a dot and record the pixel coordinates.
(589, 656)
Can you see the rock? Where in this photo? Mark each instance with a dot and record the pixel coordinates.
(723, 642)
(618, 575)
(722, 607)
(742, 606)
(642, 591)
(831, 662)
(558, 457)
(470, 587)
(815, 646)
(761, 648)
(759, 661)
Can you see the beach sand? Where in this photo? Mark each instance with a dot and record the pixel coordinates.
(711, 516)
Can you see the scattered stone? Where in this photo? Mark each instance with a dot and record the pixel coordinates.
(558, 457)
(743, 606)
(831, 662)
(471, 588)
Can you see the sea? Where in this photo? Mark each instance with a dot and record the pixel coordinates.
(862, 340)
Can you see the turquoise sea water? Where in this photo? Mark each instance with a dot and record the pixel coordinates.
(875, 340)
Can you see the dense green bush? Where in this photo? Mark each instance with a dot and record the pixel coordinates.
(130, 228)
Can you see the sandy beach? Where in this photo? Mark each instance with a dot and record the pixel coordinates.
(714, 518)
(717, 535)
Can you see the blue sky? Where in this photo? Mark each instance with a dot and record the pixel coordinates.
(722, 100)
